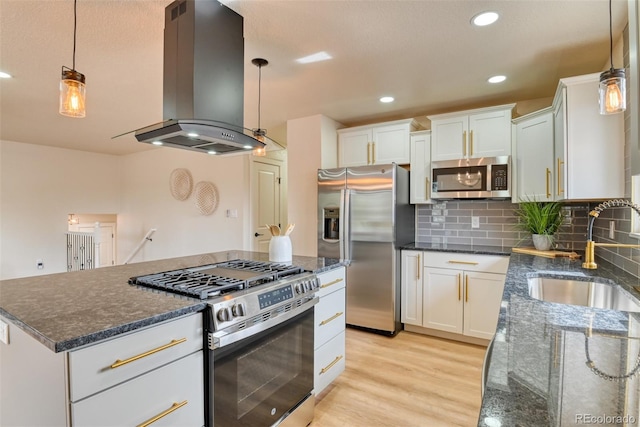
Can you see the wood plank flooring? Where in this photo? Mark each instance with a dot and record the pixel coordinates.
(405, 381)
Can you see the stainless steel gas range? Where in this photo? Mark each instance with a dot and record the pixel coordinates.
(259, 332)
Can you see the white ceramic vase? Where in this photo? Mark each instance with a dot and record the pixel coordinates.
(280, 249)
(542, 242)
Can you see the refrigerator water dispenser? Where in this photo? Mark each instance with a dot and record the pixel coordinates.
(331, 223)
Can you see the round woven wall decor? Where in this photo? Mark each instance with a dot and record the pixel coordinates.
(206, 195)
(180, 184)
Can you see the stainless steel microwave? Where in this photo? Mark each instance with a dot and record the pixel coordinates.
(481, 178)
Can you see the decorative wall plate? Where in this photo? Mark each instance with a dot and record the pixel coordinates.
(180, 184)
(206, 195)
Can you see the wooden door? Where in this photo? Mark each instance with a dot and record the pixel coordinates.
(107, 254)
(265, 203)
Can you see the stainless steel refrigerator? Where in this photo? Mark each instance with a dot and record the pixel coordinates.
(363, 215)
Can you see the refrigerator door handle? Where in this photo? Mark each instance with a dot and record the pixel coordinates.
(345, 228)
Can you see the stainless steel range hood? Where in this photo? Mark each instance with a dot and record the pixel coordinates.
(203, 91)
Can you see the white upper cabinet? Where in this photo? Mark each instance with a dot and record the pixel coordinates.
(533, 175)
(375, 144)
(589, 147)
(484, 132)
(420, 177)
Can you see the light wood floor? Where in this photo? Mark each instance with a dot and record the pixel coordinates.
(405, 381)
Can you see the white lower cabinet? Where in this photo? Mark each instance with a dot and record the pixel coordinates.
(151, 373)
(456, 293)
(329, 333)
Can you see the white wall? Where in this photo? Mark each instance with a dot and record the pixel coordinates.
(311, 145)
(39, 187)
(181, 229)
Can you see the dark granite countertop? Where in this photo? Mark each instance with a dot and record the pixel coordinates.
(539, 375)
(467, 249)
(68, 310)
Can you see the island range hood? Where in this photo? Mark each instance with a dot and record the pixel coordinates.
(203, 81)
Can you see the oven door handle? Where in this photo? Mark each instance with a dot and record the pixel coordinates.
(221, 339)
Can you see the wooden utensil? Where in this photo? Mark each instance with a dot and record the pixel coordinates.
(289, 229)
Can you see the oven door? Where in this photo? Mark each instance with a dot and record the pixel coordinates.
(259, 379)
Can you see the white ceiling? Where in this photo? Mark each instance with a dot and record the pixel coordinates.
(424, 53)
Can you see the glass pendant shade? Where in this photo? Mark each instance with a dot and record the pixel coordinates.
(612, 91)
(72, 94)
(259, 134)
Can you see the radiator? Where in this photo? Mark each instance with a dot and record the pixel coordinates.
(80, 251)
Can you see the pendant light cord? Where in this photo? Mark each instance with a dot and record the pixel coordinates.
(259, 91)
(610, 35)
(75, 24)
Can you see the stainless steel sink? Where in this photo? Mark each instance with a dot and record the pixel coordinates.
(584, 293)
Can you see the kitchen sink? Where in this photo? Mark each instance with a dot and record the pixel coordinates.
(584, 293)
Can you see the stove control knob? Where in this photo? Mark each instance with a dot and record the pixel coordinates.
(238, 310)
(298, 287)
(307, 286)
(224, 314)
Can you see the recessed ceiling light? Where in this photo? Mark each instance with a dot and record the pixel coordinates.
(387, 99)
(496, 79)
(316, 57)
(157, 142)
(4, 75)
(484, 18)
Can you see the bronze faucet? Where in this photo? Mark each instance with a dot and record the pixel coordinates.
(589, 256)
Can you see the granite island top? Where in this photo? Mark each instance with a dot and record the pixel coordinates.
(553, 364)
(68, 310)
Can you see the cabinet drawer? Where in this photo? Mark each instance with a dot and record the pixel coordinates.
(467, 262)
(331, 281)
(96, 367)
(329, 317)
(329, 362)
(139, 400)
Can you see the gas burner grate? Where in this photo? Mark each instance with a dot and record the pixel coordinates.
(216, 279)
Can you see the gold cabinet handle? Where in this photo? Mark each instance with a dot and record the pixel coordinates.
(373, 153)
(163, 414)
(426, 188)
(335, 316)
(330, 365)
(558, 175)
(548, 176)
(368, 153)
(331, 283)
(119, 362)
(555, 349)
(418, 268)
(459, 294)
(466, 288)
(453, 261)
(470, 143)
(464, 143)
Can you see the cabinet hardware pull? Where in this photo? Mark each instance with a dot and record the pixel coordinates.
(331, 283)
(426, 188)
(555, 349)
(368, 153)
(418, 268)
(560, 163)
(466, 288)
(464, 143)
(373, 153)
(163, 414)
(470, 143)
(548, 181)
(459, 294)
(335, 316)
(330, 365)
(119, 362)
(453, 261)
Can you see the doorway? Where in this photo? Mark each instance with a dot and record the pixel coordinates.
(106, 242)
(267, 199)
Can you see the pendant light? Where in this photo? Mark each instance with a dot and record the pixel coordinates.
(612, 87)
(72, 84)
(259, 133)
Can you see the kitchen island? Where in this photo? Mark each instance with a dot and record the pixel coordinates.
(557, 364)
(64, 330)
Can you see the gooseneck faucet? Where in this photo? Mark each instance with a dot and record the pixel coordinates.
(589, 256)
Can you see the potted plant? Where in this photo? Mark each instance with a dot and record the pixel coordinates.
(541, 219)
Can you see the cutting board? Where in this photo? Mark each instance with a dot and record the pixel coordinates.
(546, 254)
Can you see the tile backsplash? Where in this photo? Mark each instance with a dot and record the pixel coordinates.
(450, 222)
